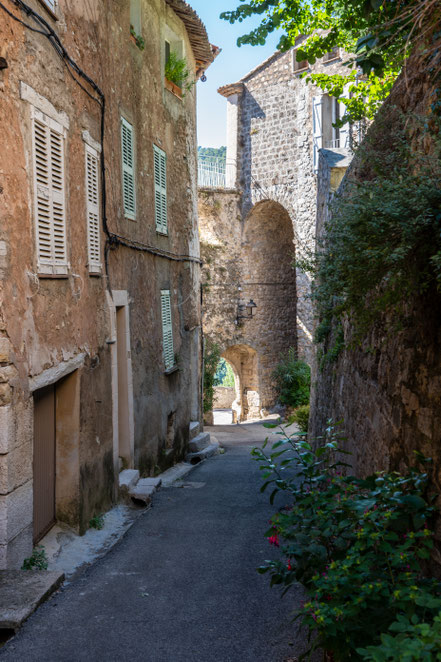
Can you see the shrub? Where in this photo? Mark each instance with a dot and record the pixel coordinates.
(301, 417)
(413, 641)
(37, 561)
(211, 360)
(293, 380)
(97, 522)
(355, 544)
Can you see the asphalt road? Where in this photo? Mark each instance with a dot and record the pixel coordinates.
(182, 585)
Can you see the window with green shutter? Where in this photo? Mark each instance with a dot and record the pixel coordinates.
(160, 169)
(128, 169)
(167, 330)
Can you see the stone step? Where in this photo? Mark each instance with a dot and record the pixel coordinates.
(177, 472)
(127, 481)
(144, 489)
(208, 451)
(199, 443)
(195, 426)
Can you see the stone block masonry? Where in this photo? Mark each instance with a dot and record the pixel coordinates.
(251, 237)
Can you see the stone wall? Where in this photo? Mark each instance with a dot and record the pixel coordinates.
(63, 330)
(251, 235)
(388, 390)
(224, 396)
(248, 259)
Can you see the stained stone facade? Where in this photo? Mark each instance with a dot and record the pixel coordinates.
(251, 231)
(387, 390)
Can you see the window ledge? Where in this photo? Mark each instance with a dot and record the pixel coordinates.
(162, 234)
(171, 370)
(50, 11)
(173, 88)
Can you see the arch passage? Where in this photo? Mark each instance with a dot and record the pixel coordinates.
(243, 360)
(269, 279)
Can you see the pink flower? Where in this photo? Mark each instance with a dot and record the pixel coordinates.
(274, 540)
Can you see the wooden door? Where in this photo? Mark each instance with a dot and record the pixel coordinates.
(44, 461)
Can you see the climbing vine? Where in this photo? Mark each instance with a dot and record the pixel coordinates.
(382, 244)
(211, 359)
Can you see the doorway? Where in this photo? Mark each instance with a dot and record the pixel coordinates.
(124, 446)
(44, 461)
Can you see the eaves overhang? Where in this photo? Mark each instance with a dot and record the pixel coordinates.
(204, 52)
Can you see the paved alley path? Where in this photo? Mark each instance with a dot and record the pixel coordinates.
(182, 585)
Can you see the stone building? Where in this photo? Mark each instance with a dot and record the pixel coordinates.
(100, 332)
(263, 215)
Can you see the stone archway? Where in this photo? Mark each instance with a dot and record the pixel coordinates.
(269, 278)
(243, 359)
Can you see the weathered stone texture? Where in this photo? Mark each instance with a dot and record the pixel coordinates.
(387, 390)
(51, 328)
(250, 238)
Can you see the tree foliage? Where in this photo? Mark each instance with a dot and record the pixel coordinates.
(379, 33)
(382, 243)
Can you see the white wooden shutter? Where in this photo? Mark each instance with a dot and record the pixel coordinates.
(345, 129)
(49, 185)
(128, 169)
(160, 168)
(317, 128)
(167, 330)
(93, 210)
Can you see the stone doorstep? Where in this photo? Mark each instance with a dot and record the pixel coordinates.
(128, 479)
(144, 489)
(199, 443)
(22, 591)
(209, 451)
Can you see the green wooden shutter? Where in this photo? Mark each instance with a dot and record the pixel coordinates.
(160, 167)
(93, 210)
(167, 330)
(128, 169)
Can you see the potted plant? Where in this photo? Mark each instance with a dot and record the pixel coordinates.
(177, 75)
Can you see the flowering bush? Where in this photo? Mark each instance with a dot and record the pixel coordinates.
(355, 544)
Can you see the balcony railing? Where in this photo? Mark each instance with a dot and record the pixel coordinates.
(216, 173)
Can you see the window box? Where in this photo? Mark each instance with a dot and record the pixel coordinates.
(173, 88)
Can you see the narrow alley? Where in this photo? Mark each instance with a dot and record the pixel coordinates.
(182, 584)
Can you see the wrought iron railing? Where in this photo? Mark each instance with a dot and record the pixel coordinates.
(216, 173)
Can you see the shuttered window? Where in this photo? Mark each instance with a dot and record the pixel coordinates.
(160, 168)
(317, 128)
(49, 187)
(167, 330)
(128, 169)
(93, 210)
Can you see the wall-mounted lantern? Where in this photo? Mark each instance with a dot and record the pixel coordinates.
(245, 311)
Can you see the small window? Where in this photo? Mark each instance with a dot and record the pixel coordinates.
(167, 51)
(135, 16)
(93, 210)
(50, 4)
(128, 169)
(49, 187)
(167, 331)
(160, 171)
(303, 64)
(333, 54)
(299, 66)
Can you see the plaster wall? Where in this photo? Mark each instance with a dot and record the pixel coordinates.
(46, 323)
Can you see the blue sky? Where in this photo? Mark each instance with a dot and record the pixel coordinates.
(231, 65)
